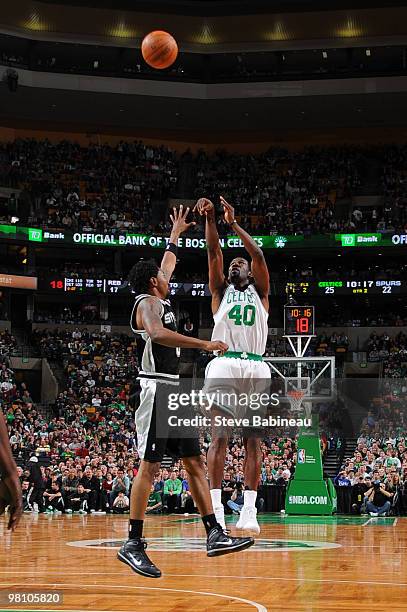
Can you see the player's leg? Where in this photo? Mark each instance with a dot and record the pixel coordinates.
(151, 451)
(220, 374)
(216, 464)
(140, 492)
(133, 551)
(252, 469)
(257, 384)
(218, 542)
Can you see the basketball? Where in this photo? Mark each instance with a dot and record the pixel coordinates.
(159, 49)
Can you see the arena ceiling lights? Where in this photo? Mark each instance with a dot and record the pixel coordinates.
(300, 24)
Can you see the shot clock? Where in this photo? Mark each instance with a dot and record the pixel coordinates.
(299, 320)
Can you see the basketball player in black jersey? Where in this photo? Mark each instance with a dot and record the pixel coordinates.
(153, 321)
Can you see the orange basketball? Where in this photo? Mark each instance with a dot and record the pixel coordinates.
(159, 49)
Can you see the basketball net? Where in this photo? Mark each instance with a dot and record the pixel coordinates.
(295, 397)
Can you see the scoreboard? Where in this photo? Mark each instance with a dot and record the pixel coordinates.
(112, 285)
(346, 287)
(311, 287)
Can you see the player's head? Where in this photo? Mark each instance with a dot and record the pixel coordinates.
(239, 272)
(147, 277)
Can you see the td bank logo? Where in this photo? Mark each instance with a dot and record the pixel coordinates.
(348, 239)
(34, 235)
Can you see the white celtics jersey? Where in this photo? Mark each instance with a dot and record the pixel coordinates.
(241, 321)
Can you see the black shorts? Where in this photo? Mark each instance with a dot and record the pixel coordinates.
(156, 436)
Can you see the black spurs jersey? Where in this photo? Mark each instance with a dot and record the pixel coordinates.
(157, 361)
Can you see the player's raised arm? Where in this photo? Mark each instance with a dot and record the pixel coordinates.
(217, 281)
(8, 470)
(149, 312)
(179, 226)
(259, 268)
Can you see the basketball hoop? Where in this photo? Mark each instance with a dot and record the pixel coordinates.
(295, 396)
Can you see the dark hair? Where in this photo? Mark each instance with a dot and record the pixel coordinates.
(140, 274)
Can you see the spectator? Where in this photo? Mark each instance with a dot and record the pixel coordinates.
(377, 499)
(154, 504)
(121, 503)
(172, 493)
(53, 499)
(77, 501)
(235, 503)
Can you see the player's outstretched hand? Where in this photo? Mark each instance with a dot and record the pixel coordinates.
(229, 211)
(216, 346)
(204, 207)
(178, 218)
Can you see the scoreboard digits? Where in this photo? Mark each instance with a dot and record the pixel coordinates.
(299, 320)
(346, 287)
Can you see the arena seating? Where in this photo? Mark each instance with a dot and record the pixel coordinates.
(102, 187)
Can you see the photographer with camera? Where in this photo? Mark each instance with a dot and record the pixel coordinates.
(235, 503)
(377, 499)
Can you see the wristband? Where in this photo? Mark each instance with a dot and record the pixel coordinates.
(172, 248)
(232, 222)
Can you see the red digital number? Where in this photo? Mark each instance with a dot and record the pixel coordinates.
(302, 325)
(57, 284)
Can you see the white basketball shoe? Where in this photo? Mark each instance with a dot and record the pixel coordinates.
(248, 520)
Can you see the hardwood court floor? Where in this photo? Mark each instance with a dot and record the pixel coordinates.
(298, 564)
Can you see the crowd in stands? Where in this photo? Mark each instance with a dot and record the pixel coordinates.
(364, 317)
(8, 387)
(323, 345)
(83, 457)
(106, 188)
(97, 188)
(87, 312)
(287, 192)
(377, 471)
(392, 351)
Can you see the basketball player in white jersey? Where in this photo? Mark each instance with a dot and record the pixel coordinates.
(240, 306)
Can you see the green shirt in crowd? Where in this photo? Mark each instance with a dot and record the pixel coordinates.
(173, 485)
(154, 499)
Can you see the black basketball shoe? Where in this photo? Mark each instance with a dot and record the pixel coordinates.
(220, 543)
(133, 553)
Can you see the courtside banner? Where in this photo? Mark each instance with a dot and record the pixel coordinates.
(124, 239)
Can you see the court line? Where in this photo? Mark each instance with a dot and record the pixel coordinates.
(259, 607)
(278, 578)
(210, 577)
(396, 520)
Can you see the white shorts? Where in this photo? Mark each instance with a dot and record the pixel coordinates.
(236, 385)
